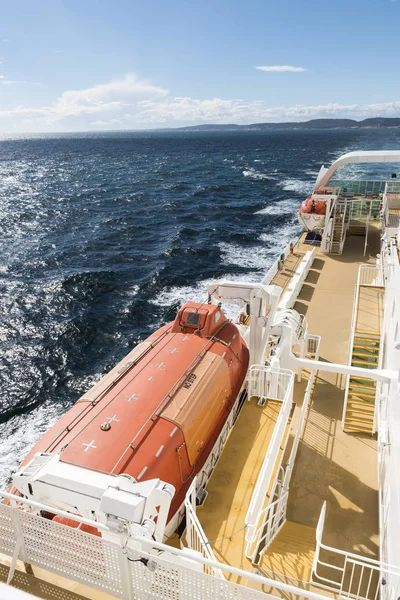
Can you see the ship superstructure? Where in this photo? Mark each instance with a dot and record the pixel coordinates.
(296, 492)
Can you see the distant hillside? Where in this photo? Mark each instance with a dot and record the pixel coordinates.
(313, 124)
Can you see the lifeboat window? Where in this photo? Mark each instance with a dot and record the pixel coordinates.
(192, 318)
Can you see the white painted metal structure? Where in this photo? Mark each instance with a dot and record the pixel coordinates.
(262, 301)
(367, 275)
(272, 517)
(367, 156)
(351, 575)
(116, 501)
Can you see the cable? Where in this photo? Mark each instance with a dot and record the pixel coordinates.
(226, 537)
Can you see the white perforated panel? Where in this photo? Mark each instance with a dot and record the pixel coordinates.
(72, 553)
(173, 582)
(100, 564)
(7, 535)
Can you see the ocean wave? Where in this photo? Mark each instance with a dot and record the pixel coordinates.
(253, 174)
(281, 236)
(198, 292)
(251, 258)
(284, 207)
(297, 185)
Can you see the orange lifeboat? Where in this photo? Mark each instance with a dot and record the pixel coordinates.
(159, 412)
(313, 206)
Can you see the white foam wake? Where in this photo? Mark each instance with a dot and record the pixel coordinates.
(253, 174)
(279, 208)
(297, 185)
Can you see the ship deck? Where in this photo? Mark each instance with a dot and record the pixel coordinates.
(232, 483)
(331, 465)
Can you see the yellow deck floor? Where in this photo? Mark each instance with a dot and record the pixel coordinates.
(291, 553)
(232, 483)
(333, 465)
(370, 310)
(284, 275)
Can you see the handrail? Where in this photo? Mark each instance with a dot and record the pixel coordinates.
(282, 483)
(195, 535)
(363, 279)
(240, 573)
(368, 566)
(177, 564)
(351, 342)
(289, 296)
(266, 471)
(268, 382)
(274, 268)
(54, 510)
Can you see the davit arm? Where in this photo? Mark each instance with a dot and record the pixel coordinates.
(262, 301)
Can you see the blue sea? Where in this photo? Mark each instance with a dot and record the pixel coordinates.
(104, 236)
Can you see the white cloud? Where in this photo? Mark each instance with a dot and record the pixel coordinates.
(12, 82)
(281, 69)
(99, 99)
(106, 96)
(237, 111)
(109, 123)
(130, 102)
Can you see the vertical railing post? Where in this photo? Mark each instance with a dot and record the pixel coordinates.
(19, 550)
(126, 575)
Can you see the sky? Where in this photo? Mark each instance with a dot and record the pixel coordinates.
(90, 65)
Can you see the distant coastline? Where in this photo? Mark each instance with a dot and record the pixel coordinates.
(376, 122)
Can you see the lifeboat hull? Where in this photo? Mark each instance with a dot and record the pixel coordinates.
(161, 411)
(312, 221)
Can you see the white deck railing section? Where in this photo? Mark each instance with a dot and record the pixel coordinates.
(289, 296)
(279, 387)
(273, 516)
(367, 275)
(351, 575)
(266, 382)
(150, 570)
(196, 538)
(274, 268)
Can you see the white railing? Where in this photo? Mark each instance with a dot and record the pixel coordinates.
(272, 519)
(140, 569)
(196, 538)
(273, 516)
(368, 275)
(393, 220)
(71, 553)
(393, 186)
(351, 575)
(255, 513)
(360, 187)
(274, 268)
(289, 296)
(269, 383)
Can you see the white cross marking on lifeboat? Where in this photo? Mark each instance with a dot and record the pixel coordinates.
(133, 397)
(160, 365)
(185, 338)
(91, 445)
(111, 419)
(150, 378)
(173, 351)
